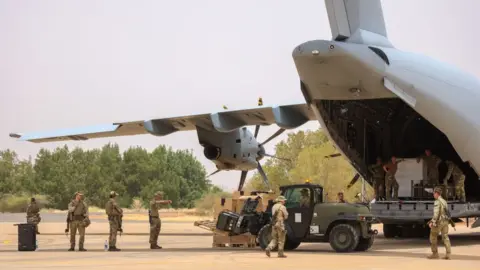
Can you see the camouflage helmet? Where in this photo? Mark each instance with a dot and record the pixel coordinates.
(438, 190)
(159, 193)
(280, 199)
(86, 222)
(113, 193)
(304, 191)
(78, 193)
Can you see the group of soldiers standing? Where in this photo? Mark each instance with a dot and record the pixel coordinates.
(384, 176)
(78, 219)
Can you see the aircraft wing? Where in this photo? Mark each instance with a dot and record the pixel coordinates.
(285, 116)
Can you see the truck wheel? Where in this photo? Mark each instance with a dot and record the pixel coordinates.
(344, 238)
(365, 243)
(290, 245)
(265, 236)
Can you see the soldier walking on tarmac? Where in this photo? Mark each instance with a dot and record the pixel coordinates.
(114, 213)
(439, 224)
(79, 220)
(280, 214)
(155, 221)
(33, 214)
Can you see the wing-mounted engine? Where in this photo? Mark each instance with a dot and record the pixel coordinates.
(212, 152)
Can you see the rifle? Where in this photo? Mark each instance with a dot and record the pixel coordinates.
(150, 217)
(449, 218)
(120, 221)
(68, 223)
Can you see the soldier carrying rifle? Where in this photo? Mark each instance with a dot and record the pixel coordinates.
(115, 214)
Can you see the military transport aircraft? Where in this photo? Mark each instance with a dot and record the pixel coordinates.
(372, 99)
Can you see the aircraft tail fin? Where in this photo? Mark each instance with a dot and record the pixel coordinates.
(357, 21)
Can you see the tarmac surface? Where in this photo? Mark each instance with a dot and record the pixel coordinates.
(188, 247)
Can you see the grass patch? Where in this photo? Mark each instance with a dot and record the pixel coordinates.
(19, 203)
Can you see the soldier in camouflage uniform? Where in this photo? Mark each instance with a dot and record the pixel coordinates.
(390, 180)
(155, 222)
(280, 214)
(78, 211)
(439, 224)
(33, 214)
(114, 213)
(378, 178)
(431, 163)
(458, 180)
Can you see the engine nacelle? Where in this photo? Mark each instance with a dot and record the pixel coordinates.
(212, 152)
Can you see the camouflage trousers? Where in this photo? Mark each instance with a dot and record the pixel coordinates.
(442, 228)
(432, 177)
(459, 182)
(378, 184)
(278, 238)
(74, 226)
(391, 182)
(112, 239)
(155, 227)
(34, 220)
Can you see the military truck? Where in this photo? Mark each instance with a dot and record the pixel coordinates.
(347, 227)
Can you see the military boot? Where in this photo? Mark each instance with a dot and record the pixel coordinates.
(267, 251)
(72, 247)
(81, 249)
(433, 256)
(155, 246)
(281, 255)
(447, 256)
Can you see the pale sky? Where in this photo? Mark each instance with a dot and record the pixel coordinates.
(78, 63)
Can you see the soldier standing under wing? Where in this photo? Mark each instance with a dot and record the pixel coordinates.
(378, 178)
(78, 211)
(114, 212)
(458, 180)
(439, 224)
(33, 214)
(155, 222)
(431, 163)
(280, 214)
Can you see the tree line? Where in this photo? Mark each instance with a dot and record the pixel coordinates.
(134, 174)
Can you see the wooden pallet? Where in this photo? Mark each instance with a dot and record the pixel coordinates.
(244, 240)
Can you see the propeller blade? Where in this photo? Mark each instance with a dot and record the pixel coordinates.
(257, 128)
(242, 180)
(272, 156)
(217, 171)
(354, 180)
(333, 155)
(264, 176)
(280, 131)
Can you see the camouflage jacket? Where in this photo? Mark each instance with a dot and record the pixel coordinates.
(376, 170)
(431, 162)
(439, 211)
(453, 170)
(112, 208)
(280, 214)
(33, 210)
(78, 208)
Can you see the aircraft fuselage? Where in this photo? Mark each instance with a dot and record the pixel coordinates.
(372, 100)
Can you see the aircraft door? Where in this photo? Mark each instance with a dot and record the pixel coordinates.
(300, 208)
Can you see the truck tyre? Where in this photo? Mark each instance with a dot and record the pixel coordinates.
(390, 230)
(265, 236)
(365, 243)
(344, 238)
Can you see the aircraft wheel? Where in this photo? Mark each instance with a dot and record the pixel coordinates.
(344, 238)
(365, 243)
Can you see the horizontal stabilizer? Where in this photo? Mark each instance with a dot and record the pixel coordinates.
(285, 116)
